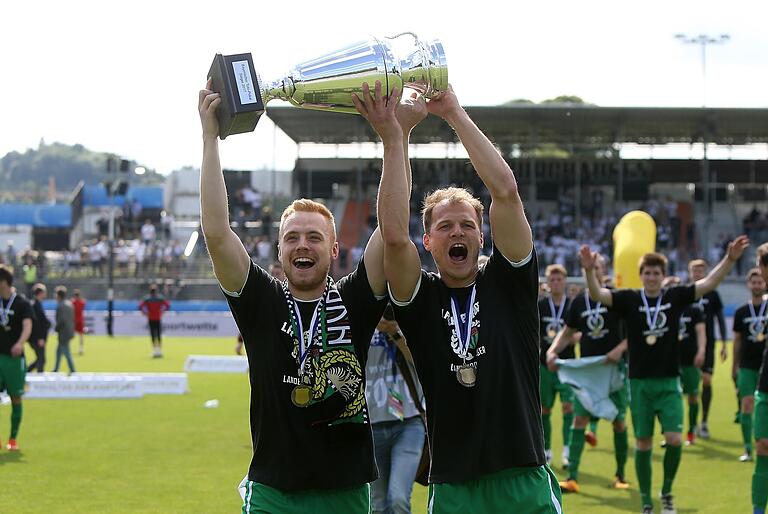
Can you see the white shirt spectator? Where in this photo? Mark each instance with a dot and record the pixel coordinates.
(264, 250)
(148, 232)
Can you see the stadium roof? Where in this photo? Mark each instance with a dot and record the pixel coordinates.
(551, 123)
(37, 215)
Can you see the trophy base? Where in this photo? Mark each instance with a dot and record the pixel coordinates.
(234, 78)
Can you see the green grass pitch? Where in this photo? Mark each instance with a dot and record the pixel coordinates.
(169, 454)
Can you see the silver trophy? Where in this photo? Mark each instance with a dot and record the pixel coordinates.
(327, 83)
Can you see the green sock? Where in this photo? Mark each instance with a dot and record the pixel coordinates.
(746, 430)
(577, 446)
(672, 455)
(546, 422)
(621, 447)
(593, 426)
(643, 470)
(693, 413)
(760, 483)
(15, 420)
(567, 427)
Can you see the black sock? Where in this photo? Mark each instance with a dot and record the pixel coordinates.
(706, 399)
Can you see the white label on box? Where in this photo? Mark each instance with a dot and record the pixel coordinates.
(244, 83)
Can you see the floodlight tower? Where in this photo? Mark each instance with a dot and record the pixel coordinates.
(703, 40)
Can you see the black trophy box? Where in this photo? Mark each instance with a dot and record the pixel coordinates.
(234, 77)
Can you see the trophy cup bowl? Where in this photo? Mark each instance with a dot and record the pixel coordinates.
(327, 82)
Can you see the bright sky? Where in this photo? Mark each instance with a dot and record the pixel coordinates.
(123, 77)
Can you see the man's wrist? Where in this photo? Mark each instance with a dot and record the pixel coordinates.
(455, 116)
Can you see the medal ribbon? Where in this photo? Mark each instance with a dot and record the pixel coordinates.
(557, 315)
(464, 329)
(317, 329)
(657, 309)
(757, 319)
(5, 310)
(591, 313)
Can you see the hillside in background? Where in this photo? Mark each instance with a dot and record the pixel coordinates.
(25, 177)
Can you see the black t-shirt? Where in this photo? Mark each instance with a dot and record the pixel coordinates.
(328, 444)
(660, 357)
(550, 325)
(711, 304)
(750, 327)
(18, 310)
(600, 327)
(686, 333)
(496, 424)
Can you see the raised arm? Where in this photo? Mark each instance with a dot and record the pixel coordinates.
(736, 355)
(701, 344)
(712, 280)
(393, 123)
(509, 226)
(597, 292)
(230, 260)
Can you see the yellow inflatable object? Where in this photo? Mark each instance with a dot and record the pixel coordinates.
(633, 237)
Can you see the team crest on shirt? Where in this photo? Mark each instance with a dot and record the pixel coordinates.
(660, 327)
(336, 366)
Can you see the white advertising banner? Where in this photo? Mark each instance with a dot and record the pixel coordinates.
(105, 385)
(185, 324)
(83, 386)
(216, 364)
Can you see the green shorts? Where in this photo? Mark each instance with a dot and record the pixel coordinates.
(550, 386)
(761, 415)
(650, 398)
(746, 381)
(518, 490)
(619, 399)
(263, 499)
(13, 372)
(690, 377)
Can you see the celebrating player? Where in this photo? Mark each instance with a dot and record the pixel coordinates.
(15, 329)
(306, 339)
(473, 331)
(760, 476)
(652, 316)
(553, 309)
(600, 335)
(750, 324)
(712, 306)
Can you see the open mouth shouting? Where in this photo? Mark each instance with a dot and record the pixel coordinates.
(458, 253)
(303, 263)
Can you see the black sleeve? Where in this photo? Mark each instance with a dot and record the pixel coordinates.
(681, 296)
(738, 321)
(520, 278)
(697, 316)
(622, 299)
(259, 287)
(365, 310)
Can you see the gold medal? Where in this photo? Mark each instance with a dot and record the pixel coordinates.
(760, 337)
(466, 375)
(650, 339)
(680, 337)
(301, 395)
(551, 333)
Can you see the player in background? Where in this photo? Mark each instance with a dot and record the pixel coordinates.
(750, 328)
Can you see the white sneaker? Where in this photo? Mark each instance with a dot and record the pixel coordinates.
(566, 457)
(704, 431)
(667, 504)
(548, 454)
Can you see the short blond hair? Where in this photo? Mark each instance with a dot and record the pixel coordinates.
(307, 205)
(697, 263)
(453, 195)
(762, 250)
(555, 268)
